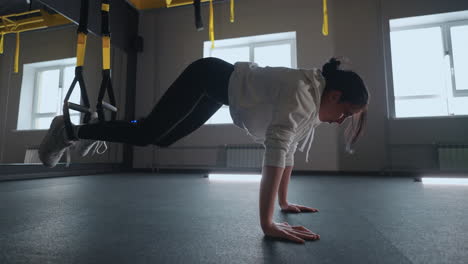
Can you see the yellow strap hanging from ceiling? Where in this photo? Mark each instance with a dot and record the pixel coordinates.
(106, 53)
(80, 49)
(106, 44)
(211, 24)
(325, 19)
(232, 11)
(1, 43)
(17, 52)
(105, 7)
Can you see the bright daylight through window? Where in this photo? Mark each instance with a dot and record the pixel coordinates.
(43, 89)
(429, 64)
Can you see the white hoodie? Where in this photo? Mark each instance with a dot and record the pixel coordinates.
(278, 107)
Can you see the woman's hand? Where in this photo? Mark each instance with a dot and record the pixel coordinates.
(294, 233)
(295, 208)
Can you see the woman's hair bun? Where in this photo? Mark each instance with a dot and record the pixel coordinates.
(330, 67)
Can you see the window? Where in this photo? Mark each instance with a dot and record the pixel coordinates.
(429, 64)
(274, 50)
(43, 89)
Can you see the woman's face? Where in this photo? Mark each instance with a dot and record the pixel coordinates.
(332, 111)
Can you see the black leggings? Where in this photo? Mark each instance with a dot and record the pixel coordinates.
(188, 103)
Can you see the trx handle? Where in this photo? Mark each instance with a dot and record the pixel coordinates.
(198, 17)
(79, 108)
(109, 107)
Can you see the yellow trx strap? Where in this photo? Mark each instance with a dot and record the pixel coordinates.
(1, 44)
(325, 19)
(17, 52)
(232, 11)
(211, 24)
(106, 44)
(105, 7)
(106, 53)
(80, 49)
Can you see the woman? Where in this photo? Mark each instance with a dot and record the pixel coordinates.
(279, 107)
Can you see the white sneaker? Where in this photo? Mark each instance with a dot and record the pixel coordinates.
(84, 146)
(55, 143)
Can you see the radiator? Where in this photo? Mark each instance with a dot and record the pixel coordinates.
(453, 156)
(244, 156)
(31, 156)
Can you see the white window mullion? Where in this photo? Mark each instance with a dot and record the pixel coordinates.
(59, 105)
(448, 87)
(449, 61)
(35, 98)
(457, 91)
(293, 54)
(251, 52)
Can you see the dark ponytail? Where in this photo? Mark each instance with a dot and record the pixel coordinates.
(330, 68)
(353, 91)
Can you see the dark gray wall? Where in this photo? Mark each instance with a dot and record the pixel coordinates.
(362, 34)
(357, 26)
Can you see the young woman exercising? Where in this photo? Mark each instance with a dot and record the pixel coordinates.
(279, 107)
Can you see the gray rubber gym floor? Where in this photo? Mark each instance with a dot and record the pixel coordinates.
(147, 218)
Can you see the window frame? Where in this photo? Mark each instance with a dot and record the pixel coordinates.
(446, 27)
(61, 94)
(448, 51)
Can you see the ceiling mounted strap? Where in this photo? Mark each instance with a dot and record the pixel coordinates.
(80, 49)
(83, 26)
(325, 19)
(198, 17)
(232, 11)
(80, 56)
(82, 33)
(105, 8)
(1, 43)
(106, 83)
(17, 52)
(211, 24)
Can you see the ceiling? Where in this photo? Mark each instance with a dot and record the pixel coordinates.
(8, 7)
(149, 4)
